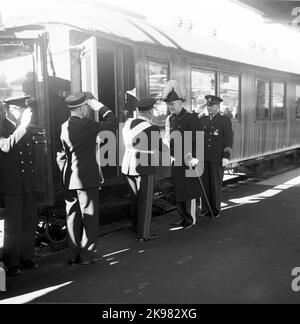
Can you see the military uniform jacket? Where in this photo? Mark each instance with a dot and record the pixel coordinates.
(17, 163)
(218, 137)
(77, 158)
(185, 188)
(134, 163)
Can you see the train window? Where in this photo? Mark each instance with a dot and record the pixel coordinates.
(230, 93)
(17, 76)
(278, 101)
(263, 100)
(297, 99)
(158, 78)
(203, 83)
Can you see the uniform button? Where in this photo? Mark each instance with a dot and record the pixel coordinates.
(209, 140)
(22, 162)
(30, 162)
(27, 144)
(29, 153)
(208, 145)
(32, 170)
(21, 153)
(23, 171)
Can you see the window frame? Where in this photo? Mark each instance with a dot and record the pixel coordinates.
(257, 79)
(217, 74)
(296, 85)
(157, 61)
(194, 67)
(239, 95)
(271, 83)
(162, 62)
(284, 100)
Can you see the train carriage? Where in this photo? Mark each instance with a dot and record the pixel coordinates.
(111, 51)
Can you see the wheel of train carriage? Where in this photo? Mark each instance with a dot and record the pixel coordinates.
(55, 229)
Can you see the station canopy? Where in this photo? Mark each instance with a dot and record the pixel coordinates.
(277, 11)
(117, 24)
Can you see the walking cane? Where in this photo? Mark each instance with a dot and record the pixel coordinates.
(189, 159)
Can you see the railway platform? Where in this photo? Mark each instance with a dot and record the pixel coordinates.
(248, 255)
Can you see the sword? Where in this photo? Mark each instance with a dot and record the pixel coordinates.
(188, 158)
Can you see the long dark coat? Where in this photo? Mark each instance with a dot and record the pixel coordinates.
(185, 188)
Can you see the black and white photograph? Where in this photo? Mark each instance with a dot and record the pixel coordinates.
(149, 155)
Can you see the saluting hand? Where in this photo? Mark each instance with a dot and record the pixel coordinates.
(26, 118)
(225, 162)
(94, 104)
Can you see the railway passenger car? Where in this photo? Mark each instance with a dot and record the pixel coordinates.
(110, 52)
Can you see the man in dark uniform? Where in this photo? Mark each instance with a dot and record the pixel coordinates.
(136, 165)
(218, 138)
(186, 189)
(81, 177)
(18, 186)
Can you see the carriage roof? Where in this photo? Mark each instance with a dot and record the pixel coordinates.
(99, 19)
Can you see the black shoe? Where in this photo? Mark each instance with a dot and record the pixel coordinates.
(151, 237)
(13, 271)
(89, 261)
(189, 225)
(72, 262)
(179, 223)
(76, 260)
(29, 264)
(85, 262)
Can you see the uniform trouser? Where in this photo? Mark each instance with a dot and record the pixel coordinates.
(82, 207)
(19, 228)
(187, 210)
(212, 181)
(141, 191)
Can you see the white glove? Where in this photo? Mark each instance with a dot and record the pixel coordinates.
(26, 118)
(225, 162)
(193, 162)
(94, 104)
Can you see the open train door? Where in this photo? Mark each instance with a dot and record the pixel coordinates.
(84, 68)
(87, 80)
(107, 70)
(89, 67)
(23, 71)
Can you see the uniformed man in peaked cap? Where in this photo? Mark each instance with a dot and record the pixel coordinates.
(138, 168)
(186, 189)
(218, 138)
(18, 186)
(81, 176)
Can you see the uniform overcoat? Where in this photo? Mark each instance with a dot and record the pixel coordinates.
(185, 187)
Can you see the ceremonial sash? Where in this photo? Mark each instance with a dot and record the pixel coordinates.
(130, 134)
